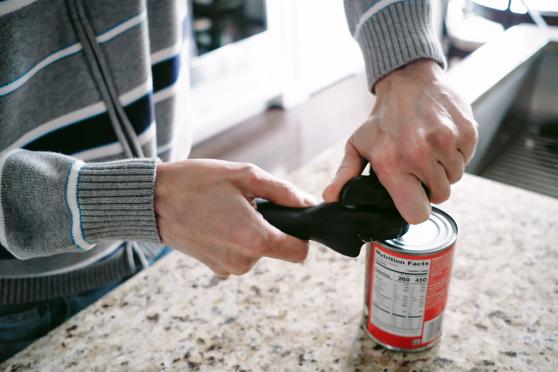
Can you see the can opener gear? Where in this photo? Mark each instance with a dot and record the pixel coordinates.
(364, 212)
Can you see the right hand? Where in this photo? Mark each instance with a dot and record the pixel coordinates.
(206, 209)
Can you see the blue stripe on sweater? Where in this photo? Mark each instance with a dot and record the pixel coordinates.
(165, 73)
(94, 131)
(97, 130)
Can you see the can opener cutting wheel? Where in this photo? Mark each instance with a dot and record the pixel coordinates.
(364, 212)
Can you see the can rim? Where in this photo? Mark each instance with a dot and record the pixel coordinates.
(452, 233)
(425, 346)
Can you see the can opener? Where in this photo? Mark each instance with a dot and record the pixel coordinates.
(364, 212)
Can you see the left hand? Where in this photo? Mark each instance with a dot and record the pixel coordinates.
(420, 131)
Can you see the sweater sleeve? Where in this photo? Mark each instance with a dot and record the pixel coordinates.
(392, 33)
(51, 203)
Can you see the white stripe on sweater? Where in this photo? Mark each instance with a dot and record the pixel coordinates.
(168, 92)
(374, 9)
(10, 87)
(166, 53)
(9, 6)
(72, 49)
(3, 239)
(164, 148)
(72, 201)
(75, 116)
(121, 28)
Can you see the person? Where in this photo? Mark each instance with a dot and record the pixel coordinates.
(88, 108)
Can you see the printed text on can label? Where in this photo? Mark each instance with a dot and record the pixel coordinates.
(408, 295)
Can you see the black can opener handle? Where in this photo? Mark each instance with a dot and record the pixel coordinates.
(364, 212)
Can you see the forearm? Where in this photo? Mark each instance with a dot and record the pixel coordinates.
(53, 203)
(392, 34)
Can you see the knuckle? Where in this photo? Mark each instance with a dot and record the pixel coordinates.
(219, 272)
(475, 133)
(237, 264)
(470, 133)
(288, 191)
(349, 145)
(271, 242)
(260, 248)
(419, 154)
(244, 265)
(455, 177)
(236, 271)
(446, 138)
(383, 162)
(251, 172)
(302, 254)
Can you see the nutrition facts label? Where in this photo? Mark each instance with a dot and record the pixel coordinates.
(399, 293)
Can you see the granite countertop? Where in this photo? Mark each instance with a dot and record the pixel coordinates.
(502, 312)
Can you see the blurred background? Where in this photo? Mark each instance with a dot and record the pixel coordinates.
(275, 82)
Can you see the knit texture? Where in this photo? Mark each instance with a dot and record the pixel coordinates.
(393, 36)
(116, 200)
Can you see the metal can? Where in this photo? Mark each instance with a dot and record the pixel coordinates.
(407, 282)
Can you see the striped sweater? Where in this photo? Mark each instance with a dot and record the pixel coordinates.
(87, 104)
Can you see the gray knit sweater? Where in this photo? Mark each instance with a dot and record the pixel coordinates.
(87, 104)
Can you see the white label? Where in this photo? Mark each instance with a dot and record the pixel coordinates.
(399, 294)
(432, 328)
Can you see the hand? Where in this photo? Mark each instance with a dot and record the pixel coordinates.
(419, 131)
(206, 209)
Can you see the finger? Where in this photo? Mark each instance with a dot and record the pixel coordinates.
(437, 181)
(264, 185)
(428, 168)
(467, 128)
(274, 243)
(454, 165)
(467, 139)
(212, 264)
(238, 264)
(409, 196)
(443, 144)
(286, 247)
(216, 267)
(222, 274)
(351, 166)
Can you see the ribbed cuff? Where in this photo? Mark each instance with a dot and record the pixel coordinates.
(115, 201)
(397, 35)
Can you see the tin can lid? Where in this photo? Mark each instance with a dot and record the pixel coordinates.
(435, 234)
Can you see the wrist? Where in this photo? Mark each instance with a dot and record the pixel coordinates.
(161, 188)
(420, 71)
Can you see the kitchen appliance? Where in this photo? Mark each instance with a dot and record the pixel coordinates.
(250, 55)
(364, 212)
(513, 12)
(221, 22)
(233, 52)
(512, 85)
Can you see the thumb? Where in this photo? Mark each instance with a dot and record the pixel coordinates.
(351, 166)
(279, 192)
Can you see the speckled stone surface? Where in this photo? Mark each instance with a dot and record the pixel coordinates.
(502, 312)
